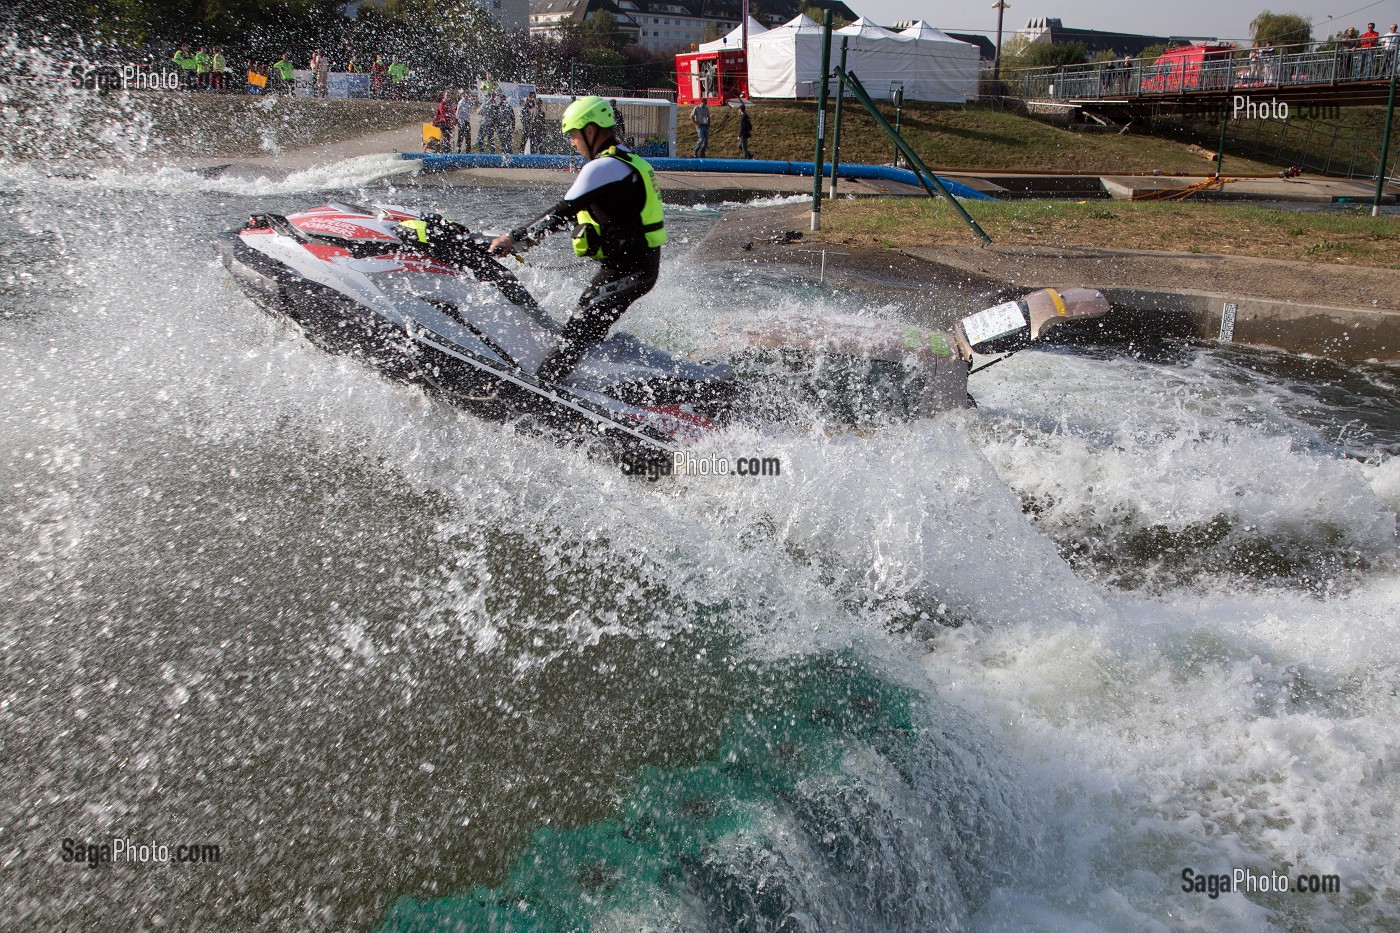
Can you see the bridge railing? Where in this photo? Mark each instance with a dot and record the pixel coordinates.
(1240, 71)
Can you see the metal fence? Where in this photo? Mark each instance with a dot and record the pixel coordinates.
(1312, 145)
(653, 93)
(1260, 69)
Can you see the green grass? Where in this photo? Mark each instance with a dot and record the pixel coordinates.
(1308, 141)
(950, 137)
(1350, 237)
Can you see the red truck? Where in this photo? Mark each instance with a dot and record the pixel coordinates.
(1190, 68)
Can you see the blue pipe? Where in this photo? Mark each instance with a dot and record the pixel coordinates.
(444, 163)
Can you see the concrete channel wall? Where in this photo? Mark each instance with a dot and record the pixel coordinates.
(1351, 334)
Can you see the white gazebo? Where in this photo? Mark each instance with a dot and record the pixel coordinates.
(929, 65)
(734, 39)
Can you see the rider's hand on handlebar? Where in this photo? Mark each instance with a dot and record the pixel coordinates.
(502, 246)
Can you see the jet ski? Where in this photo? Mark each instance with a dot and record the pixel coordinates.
(473, 334)
(342, 275)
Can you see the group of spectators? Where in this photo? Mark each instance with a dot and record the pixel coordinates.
(204, 70)
(495, 122)
(386, 79)
(1353, 55)
(700, 119)
(208, 70)
(1367, 54)
(494, 119)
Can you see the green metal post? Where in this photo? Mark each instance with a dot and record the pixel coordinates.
(1224, 122)
(920, 169)
(821, 122)
(1385, 147)
(898, 112)
(836, 131)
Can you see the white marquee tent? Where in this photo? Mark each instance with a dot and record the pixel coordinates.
(786, 62)
(735, 38)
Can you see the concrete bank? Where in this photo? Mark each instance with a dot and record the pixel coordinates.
(1347, 313)
(677, 187)
(1325, 309)
(759, 177)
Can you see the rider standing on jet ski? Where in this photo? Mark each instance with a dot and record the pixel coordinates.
(617, 211)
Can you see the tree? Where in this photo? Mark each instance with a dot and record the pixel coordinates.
(601, 31)
(603, 67)
(818, 13)
(1018, 52)
(1154, 51)
(1053, 54)
(1276, 29)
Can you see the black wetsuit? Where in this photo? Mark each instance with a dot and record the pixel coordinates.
(614, 193)
(452, 243)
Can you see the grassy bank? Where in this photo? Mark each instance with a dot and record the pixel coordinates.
(1347, 141)
(1352, 237)
(63, 122)
(949, 137)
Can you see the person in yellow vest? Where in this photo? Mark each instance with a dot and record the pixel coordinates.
(184, 60)
(202, 64)
(398, 77)
(218, 66)
(616, 208)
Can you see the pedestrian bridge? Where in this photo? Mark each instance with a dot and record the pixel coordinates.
(1332, 79)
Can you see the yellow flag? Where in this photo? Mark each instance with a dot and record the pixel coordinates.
(256, 79)
(431, 132)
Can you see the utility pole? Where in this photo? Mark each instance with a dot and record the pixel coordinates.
(821, 122)
(1001, 7)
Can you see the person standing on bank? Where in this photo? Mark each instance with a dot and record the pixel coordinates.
(619, 131)
(700, 116)
(398, 77)
(745, 132)
(219, 73)
(202, 64)
(462, 137)
(617, 210)
(184, 60)
(321, 75)
(286, 74)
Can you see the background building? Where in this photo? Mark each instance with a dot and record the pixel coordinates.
(1049, 29)
(510, 15)
(664, 25)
